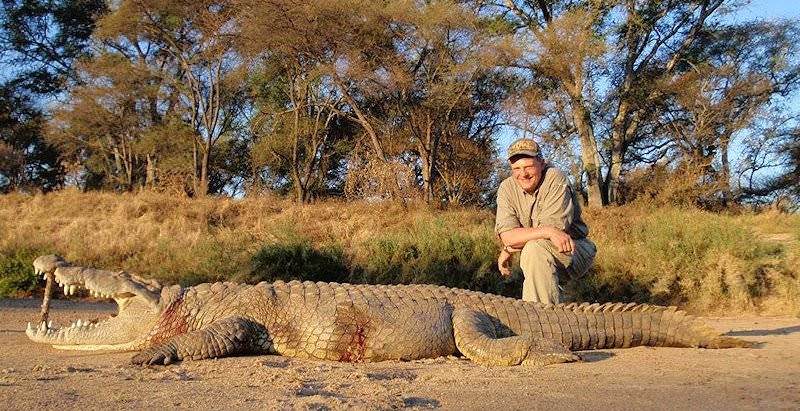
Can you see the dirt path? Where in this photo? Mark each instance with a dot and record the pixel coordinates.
(34, 376)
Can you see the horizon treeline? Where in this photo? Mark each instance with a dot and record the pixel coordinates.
(674, 101)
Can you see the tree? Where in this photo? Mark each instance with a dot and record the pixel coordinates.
(409, 74)
(202, 67)
(43, 39)
(113, 125)
(738, 81)
(771, 172)
(27, 161)
(562, 47)
(298, 125)
(39, 43)
(610, 60)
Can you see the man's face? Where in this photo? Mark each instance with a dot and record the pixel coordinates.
(527, 172)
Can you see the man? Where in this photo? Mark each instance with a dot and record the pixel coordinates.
(539, 215)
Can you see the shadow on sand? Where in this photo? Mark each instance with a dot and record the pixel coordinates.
(761, 333)
(595, 356)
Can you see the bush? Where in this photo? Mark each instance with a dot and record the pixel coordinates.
(299, 260)
(700, 260)
(432, 251)
(17, 277)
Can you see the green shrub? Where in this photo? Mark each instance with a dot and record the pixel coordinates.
(16, 273)
(432, 251)
(298, 259)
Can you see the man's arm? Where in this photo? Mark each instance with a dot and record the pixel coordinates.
(517, 237)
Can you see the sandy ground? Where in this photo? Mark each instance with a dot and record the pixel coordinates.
(34, 376)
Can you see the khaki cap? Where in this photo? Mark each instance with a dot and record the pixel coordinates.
(524, 146)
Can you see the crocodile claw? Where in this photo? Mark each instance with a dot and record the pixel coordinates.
(155, 356)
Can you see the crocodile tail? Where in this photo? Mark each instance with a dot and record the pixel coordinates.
(695, 333)
(620, 325)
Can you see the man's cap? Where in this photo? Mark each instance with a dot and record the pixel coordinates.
(524, 146)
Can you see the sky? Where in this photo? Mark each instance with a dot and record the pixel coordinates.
(769, 9)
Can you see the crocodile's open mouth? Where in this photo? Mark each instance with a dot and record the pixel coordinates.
(137, 307)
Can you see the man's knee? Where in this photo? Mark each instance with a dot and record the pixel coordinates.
(538, 250)
(536, 256)
(537, 247)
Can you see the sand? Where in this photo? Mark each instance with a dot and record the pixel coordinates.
(35, 376)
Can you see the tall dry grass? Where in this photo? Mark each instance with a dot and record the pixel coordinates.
(702, 261)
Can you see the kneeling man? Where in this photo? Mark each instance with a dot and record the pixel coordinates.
(539, 215)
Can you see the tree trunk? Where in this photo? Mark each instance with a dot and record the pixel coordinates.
(589, 155)
(195, 169)
(725, 178)
(428, 157)
(619, 134)
(362, 119)
(427, 175)
(202, 189)
(150, 178)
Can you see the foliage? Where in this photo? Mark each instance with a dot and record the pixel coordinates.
(701, 260)
(27, 161)
(430, 252)
(43, 39)
(397, 99)
(299, 260)
(16, 272)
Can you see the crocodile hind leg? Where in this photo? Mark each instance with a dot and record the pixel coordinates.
(477, 338)
(226, 337)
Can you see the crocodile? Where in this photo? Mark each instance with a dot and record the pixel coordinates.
(353, 322)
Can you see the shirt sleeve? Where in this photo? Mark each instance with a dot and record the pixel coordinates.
(506, 218)
(555, 204)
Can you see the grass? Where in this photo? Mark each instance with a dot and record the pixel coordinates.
(702, 261)
(695, 259)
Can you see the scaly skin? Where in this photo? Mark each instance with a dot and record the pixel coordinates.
(355, 323)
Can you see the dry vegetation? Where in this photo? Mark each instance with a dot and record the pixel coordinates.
(699, 260)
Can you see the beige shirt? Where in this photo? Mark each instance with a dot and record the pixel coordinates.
(554, 204)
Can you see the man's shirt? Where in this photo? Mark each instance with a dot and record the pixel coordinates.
(554, 204)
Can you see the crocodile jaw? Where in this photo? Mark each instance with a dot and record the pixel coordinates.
(127, 330)
(137, 302)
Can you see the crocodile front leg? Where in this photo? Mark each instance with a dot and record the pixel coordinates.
(477, 338)
(226, 337)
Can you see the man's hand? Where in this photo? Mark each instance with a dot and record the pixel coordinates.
(561, 240)
(504, 263)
